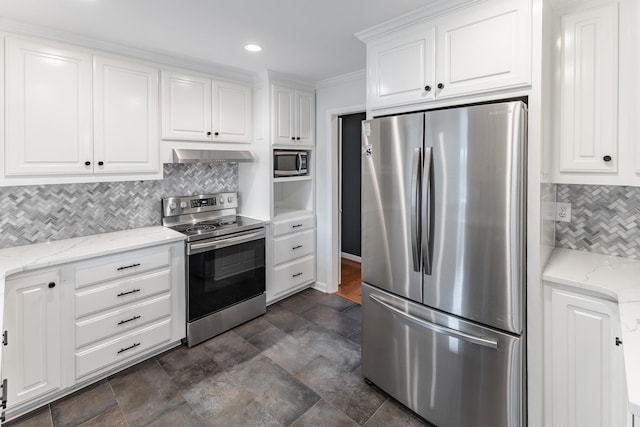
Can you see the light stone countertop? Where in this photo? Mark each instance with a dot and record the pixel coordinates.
(40, 255)
(617, 279)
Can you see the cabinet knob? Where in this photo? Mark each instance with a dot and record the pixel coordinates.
(208, 133)
(427, 88)
(440, 86)
(298, 138)
(52, 285)
(216, 134)
(293, 138)
(607, 158)
(100, 163)
(87, 163)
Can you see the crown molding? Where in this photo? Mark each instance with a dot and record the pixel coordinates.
(26, 29)
(434, 8)
(352, 77)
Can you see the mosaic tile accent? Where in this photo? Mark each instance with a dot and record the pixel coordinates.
(604, 219)
(35, 214)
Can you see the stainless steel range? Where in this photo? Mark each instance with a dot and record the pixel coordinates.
(225, 262)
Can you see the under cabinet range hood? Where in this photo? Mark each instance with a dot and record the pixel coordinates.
(183, 155)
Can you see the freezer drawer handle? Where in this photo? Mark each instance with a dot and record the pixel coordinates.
(437, 328)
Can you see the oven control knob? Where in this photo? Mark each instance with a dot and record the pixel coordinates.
(229, 199)
(172, 205)
(183, 205)
(222, 200)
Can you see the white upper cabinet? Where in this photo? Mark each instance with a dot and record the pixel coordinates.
(293, 115)
(232, 112)
(588, 122)
(476, 49)
(186, 107)
(201, 109)
(484, 48)
(126, 117)
(48, 109)
(391, 84)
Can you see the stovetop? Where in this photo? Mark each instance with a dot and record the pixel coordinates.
(206, 216)
(213, 228)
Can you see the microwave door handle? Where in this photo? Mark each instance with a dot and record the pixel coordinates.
(299, 163)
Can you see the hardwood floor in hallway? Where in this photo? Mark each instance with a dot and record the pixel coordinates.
(350, 288)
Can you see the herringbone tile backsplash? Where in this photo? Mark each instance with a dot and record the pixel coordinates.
(604, 219)
(34, 214)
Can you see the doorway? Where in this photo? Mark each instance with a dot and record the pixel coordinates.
(350, 137)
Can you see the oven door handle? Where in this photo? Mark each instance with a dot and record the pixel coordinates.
(196, 248)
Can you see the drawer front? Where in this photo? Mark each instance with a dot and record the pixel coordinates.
(292, 225)
(295, 273)
(114, 294)
(119, 321)
(293, 246)
(121, 265)
(123, 348)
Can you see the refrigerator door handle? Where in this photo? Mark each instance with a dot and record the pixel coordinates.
(492, 344)
(415, 207)
(428, 201)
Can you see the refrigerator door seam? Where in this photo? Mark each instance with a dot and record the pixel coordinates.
(493, 344)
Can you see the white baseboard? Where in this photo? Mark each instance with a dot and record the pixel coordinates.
(351, 257)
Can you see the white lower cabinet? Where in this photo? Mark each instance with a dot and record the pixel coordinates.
(32, 356)
(85, 320)
(293, 259)
(584, 361)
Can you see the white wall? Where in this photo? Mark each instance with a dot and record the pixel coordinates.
(341, 95)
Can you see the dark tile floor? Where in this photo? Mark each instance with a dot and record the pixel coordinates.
(298, 365)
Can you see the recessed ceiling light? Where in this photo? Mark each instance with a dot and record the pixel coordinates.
(253, 48)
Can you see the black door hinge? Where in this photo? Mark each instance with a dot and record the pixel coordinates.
(5, 338)
(618, 341)
(4, 394)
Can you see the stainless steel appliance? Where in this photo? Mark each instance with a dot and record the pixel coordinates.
(290, 163)
(443, 262)
(225, 262)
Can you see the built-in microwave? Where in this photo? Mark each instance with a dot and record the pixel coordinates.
(290, 163)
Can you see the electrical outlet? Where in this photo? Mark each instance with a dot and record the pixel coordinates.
(563, 212)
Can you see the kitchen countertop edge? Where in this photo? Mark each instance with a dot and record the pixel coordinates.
(41, 255)
(612, 278)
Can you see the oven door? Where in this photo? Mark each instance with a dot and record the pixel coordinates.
(224, 272)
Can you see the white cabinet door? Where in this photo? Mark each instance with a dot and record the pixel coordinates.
(31, 360)
(126, 117)
(400, 67)
(589, 91)
(586, 364)
(305, 117)
(283, 110)
(483, 48)
(186, 107)
(232, 115)
(48, 109)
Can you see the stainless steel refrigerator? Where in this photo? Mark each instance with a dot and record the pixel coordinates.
(443, 262)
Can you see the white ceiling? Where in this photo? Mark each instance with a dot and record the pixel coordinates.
(310, 40)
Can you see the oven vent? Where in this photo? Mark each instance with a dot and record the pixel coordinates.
(182, 155)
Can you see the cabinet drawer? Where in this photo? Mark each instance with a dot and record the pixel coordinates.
(292, 225)
(294, 273)
(121, 265)
(122, 292)
(293, 246)
(118, 321)
(119, 350)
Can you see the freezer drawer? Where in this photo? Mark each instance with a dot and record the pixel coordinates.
(449, 371)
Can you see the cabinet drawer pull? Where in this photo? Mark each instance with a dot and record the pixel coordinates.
(296, 225)
(297, 274)
(127, 266)
(122, 322)
(122, 350)
(127, 293)
(296, 247)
